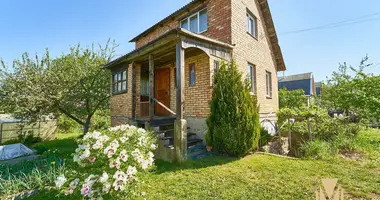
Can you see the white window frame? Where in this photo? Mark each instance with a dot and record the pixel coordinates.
(253, 31)
(252, 77)
(198, 18)
(268, 79)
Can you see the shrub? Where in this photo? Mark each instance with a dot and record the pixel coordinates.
(317, 149)
(67, 125)
(110, 163)
(265, 137)
(233, 125)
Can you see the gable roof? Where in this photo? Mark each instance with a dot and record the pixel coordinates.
(268, 20)
(296, 77)
(171, 16)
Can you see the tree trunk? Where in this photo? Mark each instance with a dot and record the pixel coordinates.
(86, 126)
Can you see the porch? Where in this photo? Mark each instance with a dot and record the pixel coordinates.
(160, 72)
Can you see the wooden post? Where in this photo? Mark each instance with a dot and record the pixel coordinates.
(180, 125)
(180, 65)
(151, 87)
(133, 90)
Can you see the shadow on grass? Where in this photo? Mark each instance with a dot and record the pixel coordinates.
(208, 161)
(64, 147)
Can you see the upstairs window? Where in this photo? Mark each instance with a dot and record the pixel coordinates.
(269, 84)
(251, 24)
(119, 81)
(197, 23)
(252, 77)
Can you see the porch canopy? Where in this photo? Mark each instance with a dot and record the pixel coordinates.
(164, 49)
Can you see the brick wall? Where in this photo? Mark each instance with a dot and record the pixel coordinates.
(256, 51)
(219, 23)
(121, 104)
(198, 97)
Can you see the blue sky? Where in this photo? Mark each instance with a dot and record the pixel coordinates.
(32, 26)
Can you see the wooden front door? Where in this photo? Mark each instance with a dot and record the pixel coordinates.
(162, 86)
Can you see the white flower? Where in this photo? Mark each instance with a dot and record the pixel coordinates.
(75, 158)
(110, 151)
(124, 127)
(144, 164)
(61, 179)
(115, 163)
(150, 154)
(123, 156)
(123, 139)
(106, 188)
(141, 140)
(85, 154)
(77, 150)
(104, 138)
(90, 180)
(96, 135)
(130, 133)
(114, 129)
(135, 153)
(98, 145)
(104, 177)
(83, 146)
(153, 146)
(114, 144)
(141, 131)
(131, 170)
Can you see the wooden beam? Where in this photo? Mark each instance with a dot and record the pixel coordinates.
(151, 87)
(180, 65)
(134, 90)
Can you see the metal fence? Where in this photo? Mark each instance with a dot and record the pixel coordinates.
(12, 130)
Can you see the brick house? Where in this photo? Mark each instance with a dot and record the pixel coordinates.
(168, 77)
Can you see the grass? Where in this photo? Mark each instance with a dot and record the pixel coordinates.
(256, 176)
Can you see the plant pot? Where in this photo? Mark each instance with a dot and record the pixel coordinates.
(209, 148)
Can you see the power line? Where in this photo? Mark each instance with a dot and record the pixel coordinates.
(337, 24)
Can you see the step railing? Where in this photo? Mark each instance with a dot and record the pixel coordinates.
(163, 105)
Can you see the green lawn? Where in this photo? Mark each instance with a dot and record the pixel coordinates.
(254, 177)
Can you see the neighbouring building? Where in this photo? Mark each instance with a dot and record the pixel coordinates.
(299, 81)
(168, 77)
(318, 88)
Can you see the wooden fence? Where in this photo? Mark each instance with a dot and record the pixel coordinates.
(43, 129)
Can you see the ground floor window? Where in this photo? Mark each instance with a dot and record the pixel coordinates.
(269, 84)
(119, 81)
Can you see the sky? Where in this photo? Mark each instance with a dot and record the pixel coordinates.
(33, 26)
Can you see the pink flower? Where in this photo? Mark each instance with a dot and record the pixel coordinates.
(86, 189)
(92, 159)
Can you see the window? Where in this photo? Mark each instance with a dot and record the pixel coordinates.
(252, 77)
(119, 81)
(216, 65)
(144, 86)
(251, 24)
(196, 23)
(192, 75)
(269, 84)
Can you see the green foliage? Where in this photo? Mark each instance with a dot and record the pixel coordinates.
(265, 137)
(233, 126)
(101, 120)
(66, 124)
(317, 149)
(292, 98)
(75, 84)
(352, 90)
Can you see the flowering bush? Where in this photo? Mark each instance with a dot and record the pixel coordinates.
(110, 162)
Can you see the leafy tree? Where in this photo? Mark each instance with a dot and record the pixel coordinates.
(291, 98)
(352, 90)
(75, 84)
(233, 126)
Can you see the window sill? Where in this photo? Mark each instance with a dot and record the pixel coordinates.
(254, 37)
(269, 97)
(118, 93)
(252, 93)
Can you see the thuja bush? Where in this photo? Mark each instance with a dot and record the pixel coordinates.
(233, 125)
